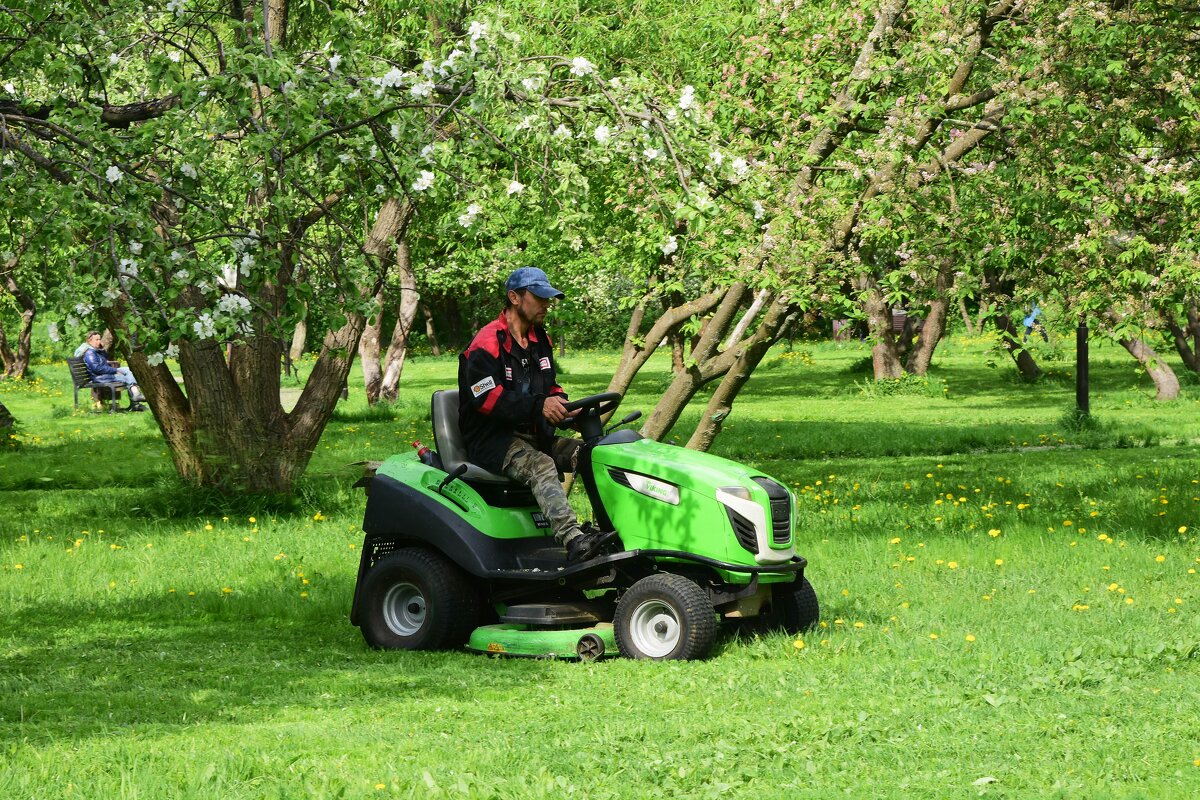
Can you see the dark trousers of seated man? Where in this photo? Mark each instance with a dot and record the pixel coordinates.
(525, 463)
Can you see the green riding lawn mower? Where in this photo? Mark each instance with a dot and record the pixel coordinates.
(455, 555)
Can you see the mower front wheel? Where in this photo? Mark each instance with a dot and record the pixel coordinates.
(796, 607)
(415, 599)
(665, 617)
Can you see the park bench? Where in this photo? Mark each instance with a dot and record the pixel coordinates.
(84, 380)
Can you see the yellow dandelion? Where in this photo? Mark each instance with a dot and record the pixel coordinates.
(933, 636)
(380, 786)
(191, 594)
(226, 590)
(1160, 559)
(1067, 523)
(208, 526)
(860, 625)
(999, 562)
(253, 520)
(18, 566)
(304, 594)
(970, 637)
(895, 540)
(994, 532)
(953, 565)
(798, 644)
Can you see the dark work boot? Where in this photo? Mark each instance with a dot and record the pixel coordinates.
(588, 545)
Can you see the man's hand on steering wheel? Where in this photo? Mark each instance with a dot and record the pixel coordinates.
(555, 411)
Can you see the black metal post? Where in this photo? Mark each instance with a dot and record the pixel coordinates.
(1081, 369)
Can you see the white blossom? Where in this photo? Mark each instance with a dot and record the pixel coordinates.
(204, 327)
(531, 84)
(188, 170)
(176, 7)
(177, 255)
(154, 359)
(422, 90)
(477, 30)
(135, 247)
(423, 182)
(182, 276)
(581, 67)
(233, 305)
(651, 153)
(740, 168)
(84, 309)
(175, 56)
(246, 264)
(467, 219)
(112, 174)
(427, 152)
(562, 132)
(8, 87)
(758, 210)
(669, 246)
(395, 130)
(393, 79)
(515, 187)
(346, 158)
(287, 86)
(602, 134)
(172, 351)
(687, 100)
(52, 332)
(717, 157)
(380, 188)
(334, 60)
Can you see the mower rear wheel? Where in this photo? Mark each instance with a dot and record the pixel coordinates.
(416, 599)
(796, 607)
(665, 617)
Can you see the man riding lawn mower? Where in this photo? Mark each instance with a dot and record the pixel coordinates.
(477, 545)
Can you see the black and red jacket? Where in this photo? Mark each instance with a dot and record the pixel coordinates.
(499, 395)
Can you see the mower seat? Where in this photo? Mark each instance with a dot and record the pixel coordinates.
(449, 441)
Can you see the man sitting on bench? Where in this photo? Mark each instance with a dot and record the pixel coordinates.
(102, 371)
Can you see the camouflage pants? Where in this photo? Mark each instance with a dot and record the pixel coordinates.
(525, 463)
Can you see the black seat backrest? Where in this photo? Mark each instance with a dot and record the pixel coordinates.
(450, 447)
(79, 372)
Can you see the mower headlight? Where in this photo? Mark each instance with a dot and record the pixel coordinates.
(740, 492)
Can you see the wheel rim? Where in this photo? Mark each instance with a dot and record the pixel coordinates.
(404, 609)
(654, 628)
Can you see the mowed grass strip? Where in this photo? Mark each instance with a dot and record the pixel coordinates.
(1009, 609)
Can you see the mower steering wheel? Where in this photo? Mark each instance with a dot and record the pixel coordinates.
(594, 406)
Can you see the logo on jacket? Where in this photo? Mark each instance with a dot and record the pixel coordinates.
(544, 362)
(483, 386)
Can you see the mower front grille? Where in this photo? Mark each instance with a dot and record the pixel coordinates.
(743, 529)
(781, 510)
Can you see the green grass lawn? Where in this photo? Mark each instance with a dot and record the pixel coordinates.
(1009, 610)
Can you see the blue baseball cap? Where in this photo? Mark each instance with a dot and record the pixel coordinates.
(534, 280)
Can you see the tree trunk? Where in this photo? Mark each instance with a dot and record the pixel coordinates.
(706, 365)
(748, 354)
(398, 348)
(1189, 351)
(760, 297)
(638, 349)
(17, 364)
(885, 358)
(1026, 366)
(6, 419)
(934, 326)
(368, 351)
(1166, 383)
(430, 333)
(968, 323)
